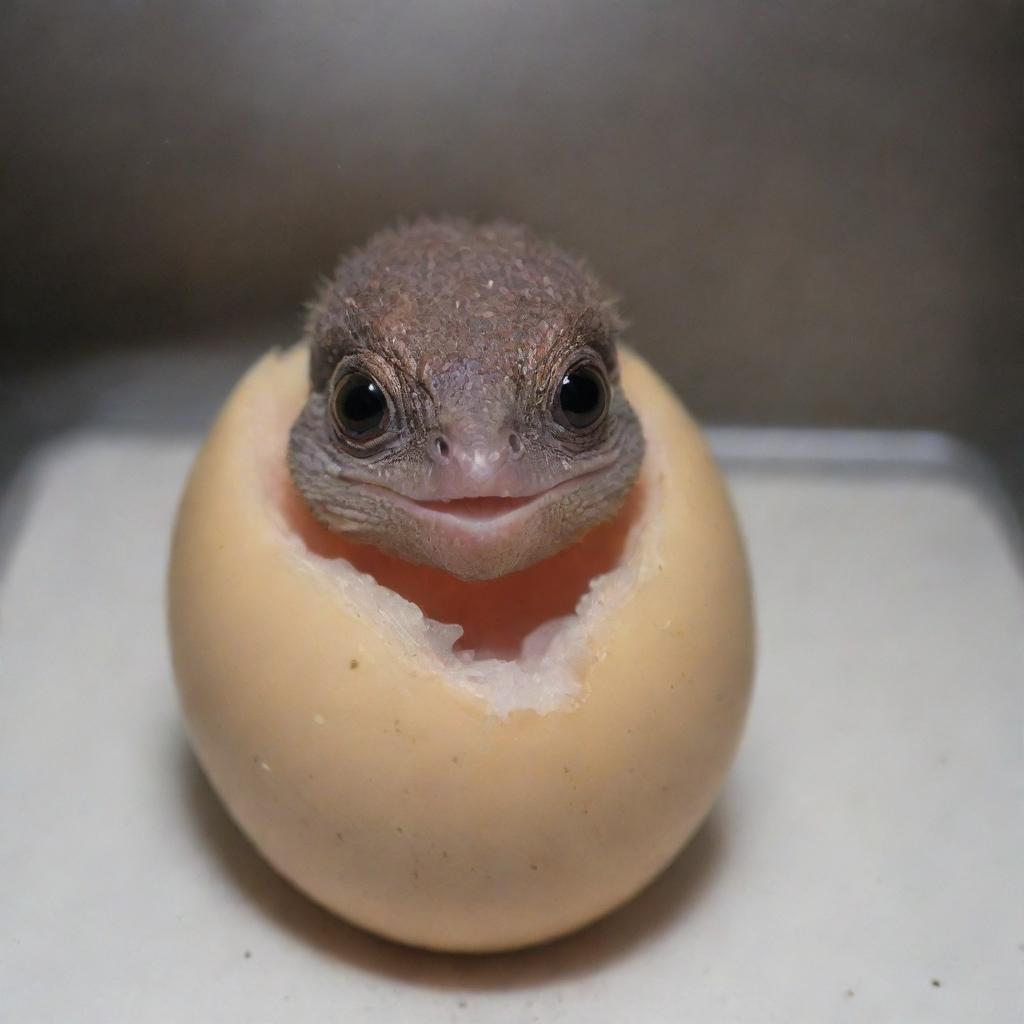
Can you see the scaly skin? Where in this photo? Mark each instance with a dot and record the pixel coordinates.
(468, 331)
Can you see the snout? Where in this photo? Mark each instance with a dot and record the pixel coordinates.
(477, 467)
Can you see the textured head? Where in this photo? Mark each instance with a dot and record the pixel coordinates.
(465, 407)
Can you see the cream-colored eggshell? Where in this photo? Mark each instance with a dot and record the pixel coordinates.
(377, 782)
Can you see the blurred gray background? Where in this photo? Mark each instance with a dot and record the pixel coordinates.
(813, 211)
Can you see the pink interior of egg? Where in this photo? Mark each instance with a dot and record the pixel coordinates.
(496, 615)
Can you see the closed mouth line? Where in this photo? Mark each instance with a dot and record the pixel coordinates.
(479, 508)
(478, 511)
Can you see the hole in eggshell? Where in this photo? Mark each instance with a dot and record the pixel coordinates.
(497, 616)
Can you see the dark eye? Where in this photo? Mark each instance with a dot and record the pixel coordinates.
(582, 397)
(359, 407)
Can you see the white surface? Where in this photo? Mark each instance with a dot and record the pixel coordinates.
(869, 844)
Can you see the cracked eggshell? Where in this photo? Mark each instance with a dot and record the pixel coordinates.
(372, 766)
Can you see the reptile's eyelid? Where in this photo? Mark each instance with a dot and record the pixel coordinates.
(603, 343)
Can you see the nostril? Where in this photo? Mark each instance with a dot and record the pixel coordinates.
(442, 448)
(515, 444)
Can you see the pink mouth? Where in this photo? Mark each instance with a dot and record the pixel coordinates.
(478, 509)
(484, 518)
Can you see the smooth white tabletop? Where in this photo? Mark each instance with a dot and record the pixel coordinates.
(865, 861)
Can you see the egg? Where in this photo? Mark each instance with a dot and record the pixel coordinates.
(468, 766)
